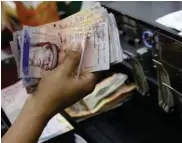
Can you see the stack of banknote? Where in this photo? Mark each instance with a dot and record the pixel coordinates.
(107, 94)
(36, 49)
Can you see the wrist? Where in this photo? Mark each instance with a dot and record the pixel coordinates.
(32, 108)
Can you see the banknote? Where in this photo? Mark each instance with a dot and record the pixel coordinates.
(29, 83)
(89, 58)
(40, 50)
(62, 37)
(99, 15)
(78, 18)
(96, 54)
(95, 13)
(114, 41)
(37, 49)
(104, 89)
(118, 49)
(116, 52)
(122, 94)
(12, 43)
(15, 46)
(42, 54)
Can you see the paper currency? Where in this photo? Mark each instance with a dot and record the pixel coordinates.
(40, 48)
(37, 49)
(96, 51)
(119, 96)
(15, 46)
(139, 76)
(118, 48)
(99, 14)
(78, 18)
(104, 89)
(29, 83)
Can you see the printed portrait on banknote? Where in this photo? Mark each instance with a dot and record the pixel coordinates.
(43, 55)
(40, 50)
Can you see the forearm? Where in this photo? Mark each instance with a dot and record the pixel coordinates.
(57, 89)
(28, 126)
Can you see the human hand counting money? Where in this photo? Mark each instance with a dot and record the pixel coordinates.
(59, 88)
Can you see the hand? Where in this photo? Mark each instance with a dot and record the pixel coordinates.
(59, 88)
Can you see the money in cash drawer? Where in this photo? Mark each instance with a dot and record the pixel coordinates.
(169, 67)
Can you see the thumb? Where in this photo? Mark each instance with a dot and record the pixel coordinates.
(72, 58)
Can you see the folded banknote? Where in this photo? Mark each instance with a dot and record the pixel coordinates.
(121, 94)
(104, 89)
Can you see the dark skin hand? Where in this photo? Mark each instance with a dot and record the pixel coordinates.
(58, 89)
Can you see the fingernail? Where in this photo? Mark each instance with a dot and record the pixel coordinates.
(76, 47)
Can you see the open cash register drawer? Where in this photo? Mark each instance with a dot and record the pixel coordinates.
(139, 120)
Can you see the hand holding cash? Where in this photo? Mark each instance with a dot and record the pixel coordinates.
(59, 88)
(38, 49)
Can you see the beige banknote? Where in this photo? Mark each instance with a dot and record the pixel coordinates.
(78, 18)
(118, 48)
(45, 45)
(100, 16)
(104, 89)
(89, 52)
(40, 50)
(95, 13)
(121, 94)
(96, 52)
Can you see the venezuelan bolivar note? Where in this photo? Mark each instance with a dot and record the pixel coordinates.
(41, 46)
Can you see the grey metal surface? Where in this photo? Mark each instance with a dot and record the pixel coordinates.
(147, 11)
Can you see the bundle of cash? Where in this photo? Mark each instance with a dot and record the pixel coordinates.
(107, 94)
(37, 49)
(166, 98)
